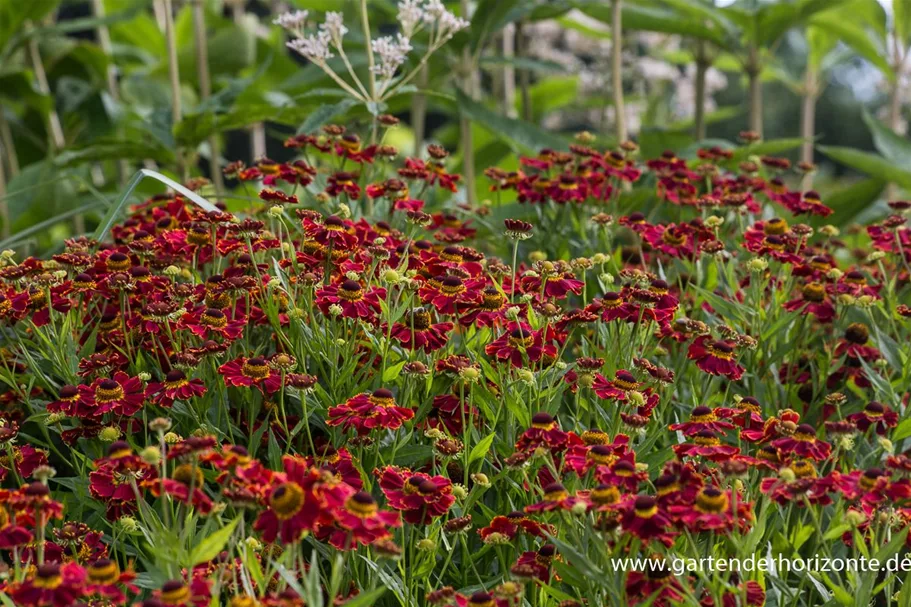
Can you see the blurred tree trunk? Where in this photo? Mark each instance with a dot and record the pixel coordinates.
(509, 69)
(702, 67)
(104, 41)
(174, 77)
(754, 69)
(524, 75)
(616, 69)
(205, 90)
(419, 112)
(470, 82)
(808, 121)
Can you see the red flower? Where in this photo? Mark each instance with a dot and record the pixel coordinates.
(366, 412)
(715, 357)
(813, 300)
(121, 395)
(204, 322)
(361, 522)
(450, 294)
(875, 415)
(245, 372)
(642, 516)
(352, 298)
(343, 182)
(712, 510)
(420, 497)
(544, 432)
(556, 497)
(295, 504)
(52, 585)
(519, 345)
(803, 443)
(706, 444)
(175, 386)
(418, 331)
(701, 418)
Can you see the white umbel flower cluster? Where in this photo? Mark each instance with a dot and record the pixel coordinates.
(391, 53)
(292, 21)
(314, 47)
(415, 15)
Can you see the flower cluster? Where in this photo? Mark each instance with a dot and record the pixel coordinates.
(362, 367)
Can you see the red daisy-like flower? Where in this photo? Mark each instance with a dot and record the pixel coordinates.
(876, 415)
(813, 300)
(702, 418)
(366, 412)
(420, 497)
(642, 516)
(343, 182)
(175, 386)
(418, 332)
(360, 521)
(556, 497)
(296, 503)
(451, 294)
(544, 432)
(706, 444)
(803, 443)
(715, 357)
(354, 300)
(712, 510)
(121, 395)
(52, 585)
(244, 372)
(206, 322)
(520, 345)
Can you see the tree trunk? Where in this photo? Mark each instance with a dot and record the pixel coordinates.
(702, 67)
(754, 69)
(419, 112)
(464, 123)
(616, 69)
(174, 77)
(808, 121)
(524, 75)
(205, 90)
(509, 70)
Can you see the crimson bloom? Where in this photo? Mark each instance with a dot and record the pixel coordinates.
(420, 497)
(175, 386)
(366, 412)
(361, 522)
(121, 395)
(354, 300)
(803, 443)
(52, 585)
(245, 372)
(715, 357)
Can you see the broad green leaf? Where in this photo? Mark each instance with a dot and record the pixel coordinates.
(481, 449)
(655, 19)
(773, 20)
(871, 164)
(850, 201)
(324, 114)
(889, 143)
(209, 548)
(392, 373)
(837, 25)
(489, 17)
(523, 133)
(901, 12)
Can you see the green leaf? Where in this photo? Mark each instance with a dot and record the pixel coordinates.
(523, 133)
(655, 19)
(871, 164)
(392, 373)
(901, 10)
(365, 599)
(839, 25)
(209, 548)
(489, 17)
(108, 222)
(889, 143)
(481, 449)
(849, 202)
(773, 20)
(324, 114)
